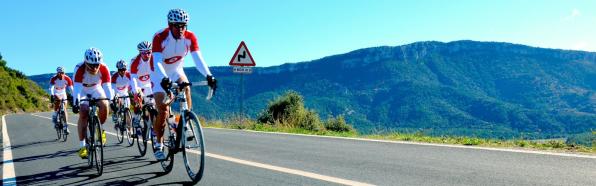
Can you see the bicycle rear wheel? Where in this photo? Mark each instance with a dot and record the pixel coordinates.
(168, 149)
(98, 145)
(144, 133)
(58, 131)
(194, 147)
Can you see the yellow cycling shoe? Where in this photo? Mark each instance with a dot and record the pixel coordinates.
(83, 152)
(104, 140)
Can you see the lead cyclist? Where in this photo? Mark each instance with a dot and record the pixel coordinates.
(170, 46)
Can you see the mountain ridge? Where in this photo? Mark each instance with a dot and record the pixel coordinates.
(486, 89)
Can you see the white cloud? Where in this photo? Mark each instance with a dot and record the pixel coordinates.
(574, 13)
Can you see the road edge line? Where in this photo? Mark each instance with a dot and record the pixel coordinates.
(420, 143)
(8, 174)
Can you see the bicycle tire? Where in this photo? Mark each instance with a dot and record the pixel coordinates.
(98, 150)
(194, 170)
(128, 132)
(63, 126)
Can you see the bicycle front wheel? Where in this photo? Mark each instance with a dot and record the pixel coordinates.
(128, 129)
(98, 145)
(141, 136)
(120, 122)
(63, 126)
(194, 147)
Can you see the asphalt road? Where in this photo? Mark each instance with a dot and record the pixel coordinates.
(251, 158)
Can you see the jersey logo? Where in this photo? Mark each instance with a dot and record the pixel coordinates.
(173, 59)
(144, 78)
(121, 88)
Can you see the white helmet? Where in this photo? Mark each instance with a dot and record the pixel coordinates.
(177, 16)
(59, 70)
(144, 46)
(93, 56)
(121, 64)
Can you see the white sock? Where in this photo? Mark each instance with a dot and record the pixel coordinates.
(82, 143)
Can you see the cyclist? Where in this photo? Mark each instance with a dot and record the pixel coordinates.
(170, 45)
(58, 85)
(92, 77)
(120, 84)
(141, 68)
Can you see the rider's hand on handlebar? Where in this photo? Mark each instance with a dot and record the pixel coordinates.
(166, 84)
(75, 108)
(212, 82)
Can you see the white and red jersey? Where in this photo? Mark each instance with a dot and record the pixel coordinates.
(141, 72)
(97, 85)
(173, 50)
(58, 85)
(120, 83)
(169, 53)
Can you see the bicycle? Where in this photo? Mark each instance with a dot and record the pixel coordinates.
(122, 115)
(93, 138)
(61, 123)
(147, 114)
(173, 133)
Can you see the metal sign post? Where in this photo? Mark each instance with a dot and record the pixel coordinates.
(242, 62)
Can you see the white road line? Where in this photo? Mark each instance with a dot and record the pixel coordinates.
(8, 174)
(267, 166)
(424, 144)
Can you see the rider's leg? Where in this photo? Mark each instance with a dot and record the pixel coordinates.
(103, 111)
(186, 91)
(127, 106)
(56, 107)
(162, 114)
(82, 123)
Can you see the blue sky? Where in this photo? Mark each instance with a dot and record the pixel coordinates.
(37, 36)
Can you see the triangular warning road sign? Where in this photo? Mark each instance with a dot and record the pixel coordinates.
(242, 57)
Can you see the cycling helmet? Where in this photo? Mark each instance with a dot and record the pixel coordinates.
(121, 64)
(177, 16)
(144, 46)
(93, 56)
(59, 70)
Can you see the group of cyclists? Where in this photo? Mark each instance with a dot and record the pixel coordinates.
(152, 72)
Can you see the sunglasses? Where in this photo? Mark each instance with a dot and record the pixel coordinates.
(122, 70)
(92, 65)
(179, 26)
(145, 52)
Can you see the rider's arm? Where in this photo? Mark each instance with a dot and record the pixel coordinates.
(158, 73)
(52, 90)
(133, 75)
(78, 83)
(196, 54)
(69, 84)
(133, 82)
(76, 91)
(200, 63)
(52, 85)
(106, 82)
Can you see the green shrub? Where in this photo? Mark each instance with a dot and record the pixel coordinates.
(338, 124)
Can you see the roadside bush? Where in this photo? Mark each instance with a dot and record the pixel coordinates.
(338, 125)
(288, 111)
